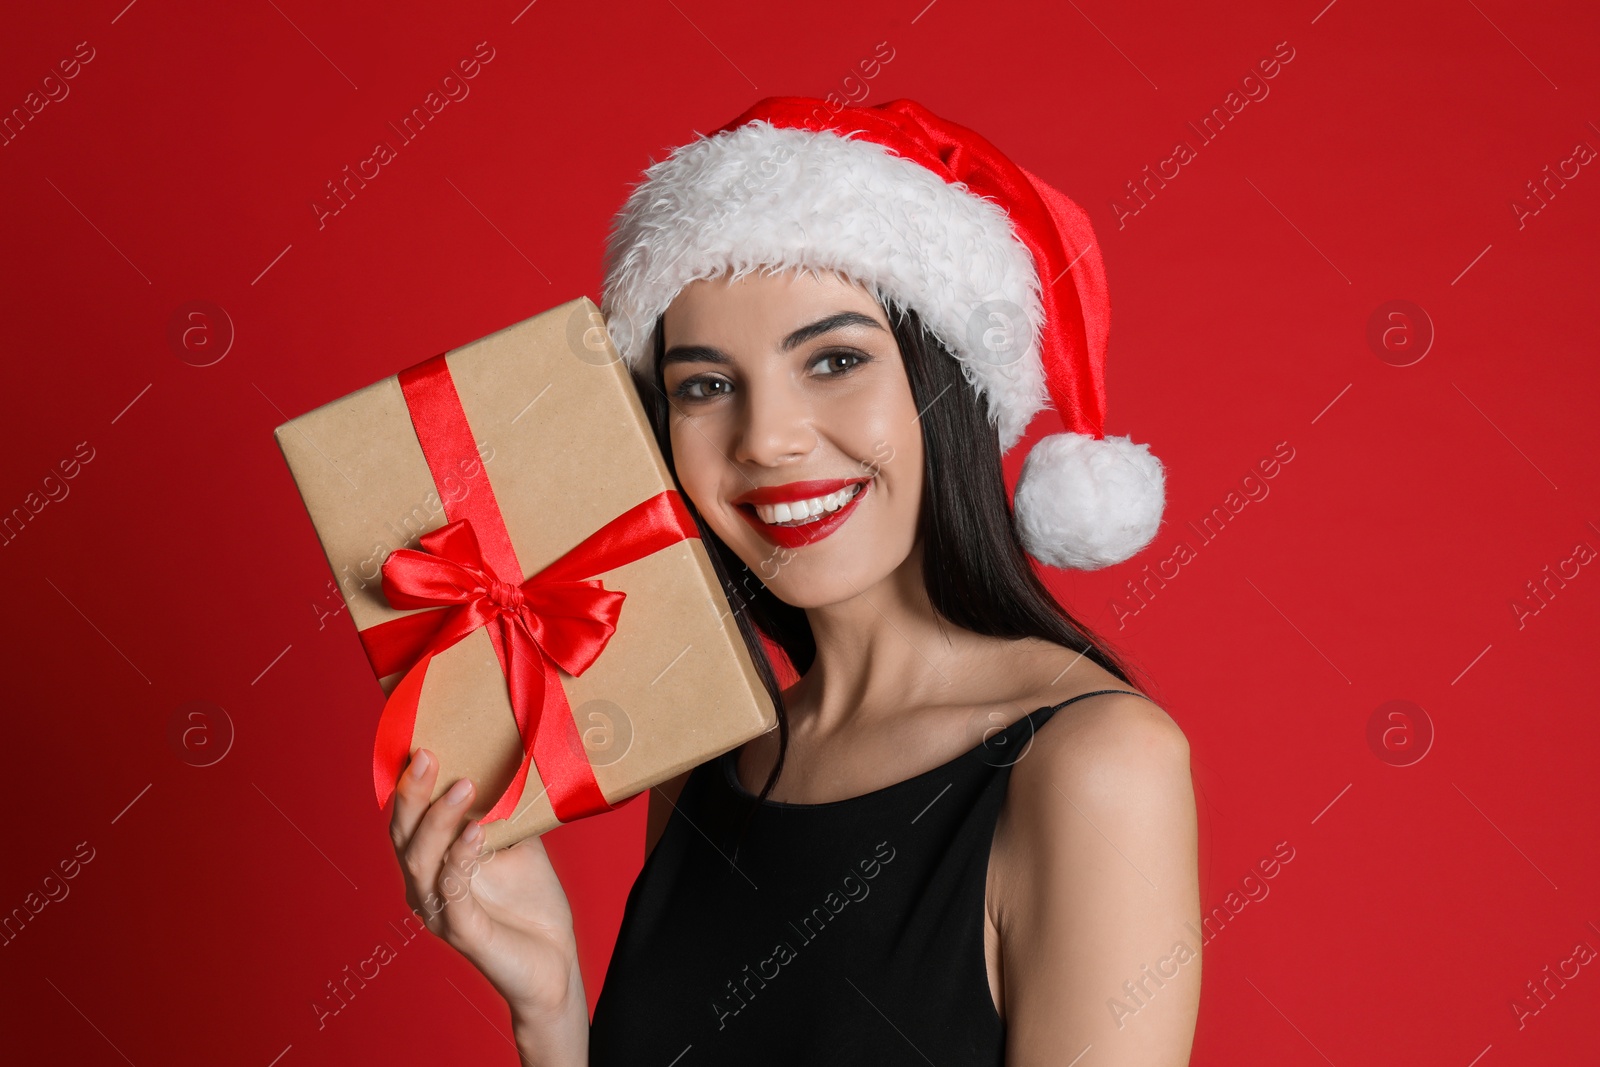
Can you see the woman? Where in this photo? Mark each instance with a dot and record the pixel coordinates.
(971, 838)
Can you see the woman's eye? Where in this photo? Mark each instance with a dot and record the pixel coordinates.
(704, 387)
(686, 388)
(827, 360)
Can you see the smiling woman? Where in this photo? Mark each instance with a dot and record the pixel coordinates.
(824, 393)
(833, 380)
(919, 632)
(779, 364)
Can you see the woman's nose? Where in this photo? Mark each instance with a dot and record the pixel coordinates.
(775, 424)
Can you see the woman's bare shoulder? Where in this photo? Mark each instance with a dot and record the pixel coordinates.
(1108, 768)
(1116, 746)
(1105, 724)
(1100, 749)
(1058, 674)
(1095, 862)
(1100, 758)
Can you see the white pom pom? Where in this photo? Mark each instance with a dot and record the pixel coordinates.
(1085, 503)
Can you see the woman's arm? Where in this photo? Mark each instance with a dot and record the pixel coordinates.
(1099, 904)
(557, 1038)
(560, 1037)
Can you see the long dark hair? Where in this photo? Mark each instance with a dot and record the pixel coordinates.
(974, 567)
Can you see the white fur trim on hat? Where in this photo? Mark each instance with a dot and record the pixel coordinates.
(1085, 503)
(771, 198)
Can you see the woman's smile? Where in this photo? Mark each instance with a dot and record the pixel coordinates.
(807, 521)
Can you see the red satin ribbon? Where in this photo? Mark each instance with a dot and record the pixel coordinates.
(468, 573)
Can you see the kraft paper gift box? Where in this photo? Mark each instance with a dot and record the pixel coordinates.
(529, 587)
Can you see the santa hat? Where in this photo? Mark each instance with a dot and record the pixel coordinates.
(1003, 270)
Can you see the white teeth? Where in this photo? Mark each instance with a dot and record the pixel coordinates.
(801, 511)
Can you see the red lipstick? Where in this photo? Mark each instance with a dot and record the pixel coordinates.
(808, 533)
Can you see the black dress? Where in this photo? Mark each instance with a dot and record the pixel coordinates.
(841, 933)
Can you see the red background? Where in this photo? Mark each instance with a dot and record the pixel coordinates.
(1383, 563)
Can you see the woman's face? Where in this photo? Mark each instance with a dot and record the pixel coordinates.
(778, 380)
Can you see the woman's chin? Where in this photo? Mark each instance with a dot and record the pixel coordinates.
(820, 583)
(829, 571)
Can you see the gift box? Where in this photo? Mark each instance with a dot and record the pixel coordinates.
(528, 584)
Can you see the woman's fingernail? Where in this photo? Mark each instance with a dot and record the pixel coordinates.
(473, 833)
(458, 792)
(419, 764)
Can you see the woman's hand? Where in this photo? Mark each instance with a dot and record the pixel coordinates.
(505, 912)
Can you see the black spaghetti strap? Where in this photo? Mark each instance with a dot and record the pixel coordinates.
(1098, 692)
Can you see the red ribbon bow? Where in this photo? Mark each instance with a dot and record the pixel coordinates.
(568, 622)
(559, 618)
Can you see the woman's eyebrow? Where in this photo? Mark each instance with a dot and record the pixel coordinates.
(694, 354)
(828, 325)
(710, 354)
